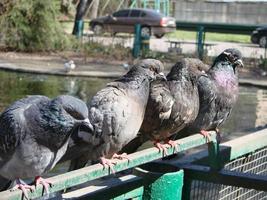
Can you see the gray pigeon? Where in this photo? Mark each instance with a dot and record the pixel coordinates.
(117, 111)
(218, 92)
(172, 104)
(196, 68)
(34, 135)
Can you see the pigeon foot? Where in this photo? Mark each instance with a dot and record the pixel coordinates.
(121, 156)
(40, 181)
(206, 135)
(173, 144)
(23, 187)
(108, 163)
(161, 147)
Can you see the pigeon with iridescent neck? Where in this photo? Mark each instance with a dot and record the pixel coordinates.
(218, 93)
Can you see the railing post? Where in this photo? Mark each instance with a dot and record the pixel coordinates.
(200, 41)
(186, 189)
(137, 40)
(161, 181)
(79, 24)
(214, 155)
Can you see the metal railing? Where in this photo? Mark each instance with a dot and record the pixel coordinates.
(204, 169)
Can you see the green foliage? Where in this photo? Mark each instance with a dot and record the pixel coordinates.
(31, 25)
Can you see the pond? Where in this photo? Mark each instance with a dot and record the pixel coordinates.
(249, 112)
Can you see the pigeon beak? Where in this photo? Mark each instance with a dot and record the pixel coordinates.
(86, 123)
(226, 53)
(239, 62)
(161, 76)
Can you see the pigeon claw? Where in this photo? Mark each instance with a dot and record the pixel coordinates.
(121, 156)
(108, 163)
(45, 183)
(206, 135)
(161, 147)
(23, 187)
(173, 144)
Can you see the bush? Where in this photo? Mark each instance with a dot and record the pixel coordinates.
(31, 25)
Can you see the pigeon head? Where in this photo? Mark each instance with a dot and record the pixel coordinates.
(73, 106)
(76, 108)
(232, 56)
(179, 70)
(152, 68)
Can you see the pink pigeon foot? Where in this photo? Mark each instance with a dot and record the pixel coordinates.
(173, 144)
(121, 156)
(161, 147)
(206, 135)
(40, 181)
(23, 187)
(108, 163)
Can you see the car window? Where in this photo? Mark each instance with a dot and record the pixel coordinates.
(134, 13)
(143, 14)
(121, 13)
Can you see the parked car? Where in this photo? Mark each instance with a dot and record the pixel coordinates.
(259, 36)
(123, 21)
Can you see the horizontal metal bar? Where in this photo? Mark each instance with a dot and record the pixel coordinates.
(217, 27)
(113, 187)
(243, 145)
(232, 149)
(226, 177)
(89, 173)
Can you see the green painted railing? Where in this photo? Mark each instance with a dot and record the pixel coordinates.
(217, 27)
(133, 185)
(85, 174)
(202, 27)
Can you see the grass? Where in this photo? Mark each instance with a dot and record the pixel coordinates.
(183, 35)
(219, 37)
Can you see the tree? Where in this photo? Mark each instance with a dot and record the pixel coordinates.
(94, 9)
(81, 10)
(32, 25)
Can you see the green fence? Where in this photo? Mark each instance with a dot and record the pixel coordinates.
(220, 171)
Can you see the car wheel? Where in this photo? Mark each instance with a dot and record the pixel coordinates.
(145, 31)
(98, 29)
(263, 41)
(159, 35)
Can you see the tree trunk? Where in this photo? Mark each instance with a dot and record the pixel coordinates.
(80, 12)
(94, 9)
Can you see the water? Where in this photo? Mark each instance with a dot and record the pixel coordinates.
(14, 86)
(248, 113)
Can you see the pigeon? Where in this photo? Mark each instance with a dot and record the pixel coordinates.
(172, 104)
(196, 68)
(68, 66)
(125, 66)
(116, 112)
(34, 135)
(218, 93)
